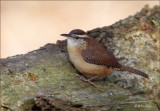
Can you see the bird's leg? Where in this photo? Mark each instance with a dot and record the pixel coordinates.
(87, 80)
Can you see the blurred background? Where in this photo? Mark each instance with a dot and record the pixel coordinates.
(28, 25)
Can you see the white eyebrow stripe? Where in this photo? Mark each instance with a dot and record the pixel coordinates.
(82, 35)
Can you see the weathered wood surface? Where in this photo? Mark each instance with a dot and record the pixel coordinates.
(44, 79)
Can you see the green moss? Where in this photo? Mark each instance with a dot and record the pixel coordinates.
(27, 105)
(135, 106)
(47, 72)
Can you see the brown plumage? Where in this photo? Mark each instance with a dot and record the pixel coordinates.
(94, 53)
(91, 59)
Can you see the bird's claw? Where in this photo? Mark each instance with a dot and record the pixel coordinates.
(87, 80)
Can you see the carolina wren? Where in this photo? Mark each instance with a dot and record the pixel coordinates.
(91, 59)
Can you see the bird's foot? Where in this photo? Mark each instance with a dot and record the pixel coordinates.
(87, 80)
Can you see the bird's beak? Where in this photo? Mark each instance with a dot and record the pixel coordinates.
(65, 35)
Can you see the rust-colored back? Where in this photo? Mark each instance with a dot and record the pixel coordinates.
(96, 54)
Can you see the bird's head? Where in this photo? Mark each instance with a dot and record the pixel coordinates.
(76, 37)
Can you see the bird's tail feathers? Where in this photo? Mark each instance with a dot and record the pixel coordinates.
(129, 69)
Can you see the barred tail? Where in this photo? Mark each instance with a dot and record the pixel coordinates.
(129, 69)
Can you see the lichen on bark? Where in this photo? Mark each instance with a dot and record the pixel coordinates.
(45, 79)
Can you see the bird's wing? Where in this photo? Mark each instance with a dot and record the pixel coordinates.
(94, 53)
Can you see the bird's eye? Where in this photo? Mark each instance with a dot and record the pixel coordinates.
(76, 37)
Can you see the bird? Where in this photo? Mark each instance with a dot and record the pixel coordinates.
(91, 59)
